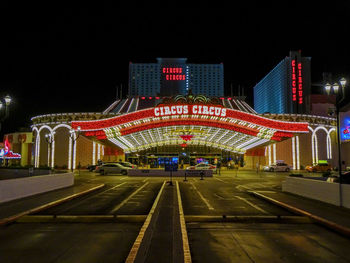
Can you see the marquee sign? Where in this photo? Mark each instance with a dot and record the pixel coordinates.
(190, 110)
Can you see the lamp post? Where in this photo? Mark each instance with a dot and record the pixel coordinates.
(49, 140)
(74, 136)
(339, 93)
(4, 108)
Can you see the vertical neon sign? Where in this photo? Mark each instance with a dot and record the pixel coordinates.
(294, 81)
(300, 84)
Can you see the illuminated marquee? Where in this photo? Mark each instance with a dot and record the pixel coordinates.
(189, 110)
(173, 73)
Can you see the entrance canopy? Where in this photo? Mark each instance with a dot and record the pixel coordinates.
(190, 122)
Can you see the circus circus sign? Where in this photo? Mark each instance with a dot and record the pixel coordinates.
(189, 110)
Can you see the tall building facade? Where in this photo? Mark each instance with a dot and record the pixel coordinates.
(286, 88)
(173, 76)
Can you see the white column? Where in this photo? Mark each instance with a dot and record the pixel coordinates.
(274, 153)
(293, 153)
(70, 154)
(75, 152)
(93, 153)
(53, 152)
(37, 151)
(98, 151)
(297, 152)
(269, 152)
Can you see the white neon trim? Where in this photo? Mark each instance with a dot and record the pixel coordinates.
(298, 152)
(93, 153)
(269, 151)
(274, 153)
(293, 152)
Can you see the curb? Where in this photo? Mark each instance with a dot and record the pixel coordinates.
(329, 224)
(48, 205)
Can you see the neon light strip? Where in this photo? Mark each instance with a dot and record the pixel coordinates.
(274, 153)
(298, 152)
(230, 114)
(293, 153)
(93, 153)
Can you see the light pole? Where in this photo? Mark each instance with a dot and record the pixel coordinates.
(74, 136)
(4, 108)
(340, 95)
(49, 140)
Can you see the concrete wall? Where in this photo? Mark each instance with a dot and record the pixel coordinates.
(22, 187)
(316, 189)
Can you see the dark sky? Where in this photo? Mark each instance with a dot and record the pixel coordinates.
(57, 58)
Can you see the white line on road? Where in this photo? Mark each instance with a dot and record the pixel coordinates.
(202, 197)
(251, 204)
(127, 199)
(220, 180)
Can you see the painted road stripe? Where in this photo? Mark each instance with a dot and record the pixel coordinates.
(220, 180)
(202, 197)
(185, 243)
(48, 205)
(135, 248)
(127, 199)
(251, 204)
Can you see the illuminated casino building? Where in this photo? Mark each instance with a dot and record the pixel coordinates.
(155, 126)
(286, 88)
(173, 76)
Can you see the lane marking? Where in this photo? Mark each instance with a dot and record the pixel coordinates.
(185, 243)
(128, 198)
(251, 204)
(220, 180)
(123, 178)
(135, 248)
(202, 197)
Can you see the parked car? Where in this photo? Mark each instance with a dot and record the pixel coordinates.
(128, 164)
(91, 167)
(320, 167)
(115, 168)
(202, 166)
(278, 167)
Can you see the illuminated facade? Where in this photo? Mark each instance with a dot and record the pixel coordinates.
(286, 88)
(173, 76)
(153, 124)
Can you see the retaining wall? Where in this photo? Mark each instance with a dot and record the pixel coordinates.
(22, 187)
(319, 190)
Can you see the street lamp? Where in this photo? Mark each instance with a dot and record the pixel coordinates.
(340, 95)
(4, 108)
(49, 139)
(74, 136)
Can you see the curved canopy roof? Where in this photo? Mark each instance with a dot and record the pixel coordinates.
(191, 120)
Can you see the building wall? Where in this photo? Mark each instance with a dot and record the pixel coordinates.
(147, 79)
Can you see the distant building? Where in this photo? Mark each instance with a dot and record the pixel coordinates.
(286, 88)
(173, 76)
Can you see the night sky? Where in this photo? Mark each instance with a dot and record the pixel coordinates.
(57, 59)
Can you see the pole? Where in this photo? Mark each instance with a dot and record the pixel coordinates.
(339, 154)
(72, 154)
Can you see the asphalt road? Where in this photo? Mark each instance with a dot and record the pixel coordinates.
(224, 224)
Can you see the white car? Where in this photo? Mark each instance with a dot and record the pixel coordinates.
(113, 168)
(278, 167)
(202, 166)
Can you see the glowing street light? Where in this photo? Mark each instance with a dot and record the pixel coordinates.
(340, 95)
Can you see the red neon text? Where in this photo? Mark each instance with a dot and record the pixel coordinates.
(294, 81)
(300, 85)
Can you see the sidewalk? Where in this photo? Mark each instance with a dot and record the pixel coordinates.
(24, 205)
(332, 215)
